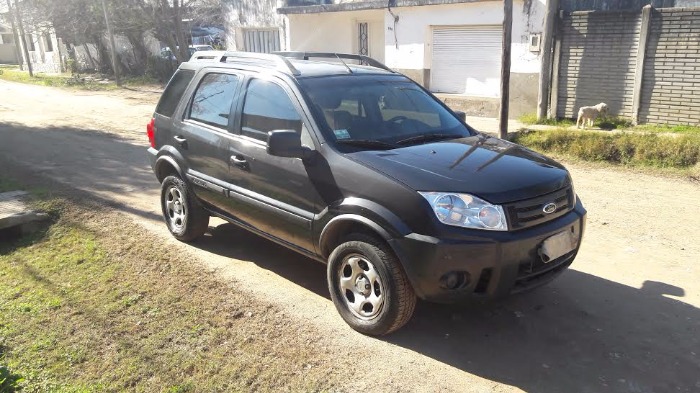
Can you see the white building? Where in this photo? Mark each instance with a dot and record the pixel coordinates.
(449, 46)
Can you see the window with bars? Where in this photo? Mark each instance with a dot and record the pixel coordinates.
(363, 39)
(261, 40)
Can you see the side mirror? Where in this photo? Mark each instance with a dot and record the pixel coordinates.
(286, 143)
(461, 116)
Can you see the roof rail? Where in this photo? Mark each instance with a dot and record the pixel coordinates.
(330, 55)
(277, 61)
(207, 55)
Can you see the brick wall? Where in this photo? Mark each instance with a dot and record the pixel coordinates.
(598, 63)
(671, 79)
(598, 58)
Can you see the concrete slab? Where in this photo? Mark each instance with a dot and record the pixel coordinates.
(14, 212)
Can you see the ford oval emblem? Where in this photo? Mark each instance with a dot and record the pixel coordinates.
(549, 208)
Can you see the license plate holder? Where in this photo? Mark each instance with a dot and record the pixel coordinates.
(557, 246)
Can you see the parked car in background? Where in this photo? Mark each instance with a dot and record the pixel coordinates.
(168, 54)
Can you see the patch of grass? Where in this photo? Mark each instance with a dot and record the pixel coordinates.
(531, 119)
(54, 80)
(96, 303)
(7, 184)
(621, 148)
(145, 80)
(9, 382)
(613, 123)
(84, 82)
(671, 129)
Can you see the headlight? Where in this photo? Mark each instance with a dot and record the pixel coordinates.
(464, 210)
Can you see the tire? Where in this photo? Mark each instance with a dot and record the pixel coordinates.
(369, 287)
(185, 217)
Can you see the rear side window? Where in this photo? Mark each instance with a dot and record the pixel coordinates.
(172, 94)
(267, 108)
(212, 101)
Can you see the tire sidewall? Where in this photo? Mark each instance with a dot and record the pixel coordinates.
(381, 323)
(173, 181)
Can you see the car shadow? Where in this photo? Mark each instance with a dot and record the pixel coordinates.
(231, 241)
(90, 163)
(580, 333)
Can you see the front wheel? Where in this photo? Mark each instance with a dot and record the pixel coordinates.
(186, 219)
(369, 287)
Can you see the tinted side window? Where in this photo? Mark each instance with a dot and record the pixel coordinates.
(172, 94)
(212, 101)
(267, 107)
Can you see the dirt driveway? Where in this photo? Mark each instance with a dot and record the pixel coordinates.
(625, 318)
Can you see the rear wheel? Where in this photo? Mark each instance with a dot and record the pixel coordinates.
(185, 217)
(368, 286)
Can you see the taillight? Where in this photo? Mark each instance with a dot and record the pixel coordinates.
(151, 132)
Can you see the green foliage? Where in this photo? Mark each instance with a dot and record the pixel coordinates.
(680, 151)
(531, 119)
(614, 123)
(9, 382)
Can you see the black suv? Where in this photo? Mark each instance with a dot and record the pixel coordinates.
(356, 166)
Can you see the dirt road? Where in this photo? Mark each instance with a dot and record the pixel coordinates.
(625, 318)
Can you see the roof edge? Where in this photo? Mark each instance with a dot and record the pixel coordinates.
(365, 5)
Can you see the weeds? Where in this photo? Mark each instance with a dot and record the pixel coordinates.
(96, 303)
(531, 119)
(654, 150)
(79, 81)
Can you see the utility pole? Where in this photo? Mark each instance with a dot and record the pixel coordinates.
(546, 50)
(505, 68)
(18, 51)
(23, 39)
(113, 47)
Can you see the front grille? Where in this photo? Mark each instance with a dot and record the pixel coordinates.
(528, 213)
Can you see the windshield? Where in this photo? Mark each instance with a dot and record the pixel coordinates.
(367, 112)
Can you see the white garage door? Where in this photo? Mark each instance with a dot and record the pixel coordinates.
(467, 60)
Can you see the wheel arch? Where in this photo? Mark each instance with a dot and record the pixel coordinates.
(166, 166)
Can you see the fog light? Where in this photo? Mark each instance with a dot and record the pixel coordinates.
(454, 280)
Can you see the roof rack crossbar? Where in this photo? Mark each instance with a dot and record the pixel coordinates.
(329, 55)
(279, 61)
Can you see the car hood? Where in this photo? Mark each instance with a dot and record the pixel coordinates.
(490, 168)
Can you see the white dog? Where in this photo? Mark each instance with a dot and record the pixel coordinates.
(588, 114)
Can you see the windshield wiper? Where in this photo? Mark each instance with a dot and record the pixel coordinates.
(366, 143)
(428, 138)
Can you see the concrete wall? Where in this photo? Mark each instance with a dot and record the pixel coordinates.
(671, 82)
(7, 54)
(336, 32)
(414, 31)
(598, 61)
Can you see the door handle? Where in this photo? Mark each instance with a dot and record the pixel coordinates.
(239, 161)
(180, 140)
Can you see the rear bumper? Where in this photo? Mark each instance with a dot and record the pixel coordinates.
(485, 264)
(152, 157)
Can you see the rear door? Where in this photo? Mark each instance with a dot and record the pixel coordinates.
(202, 132)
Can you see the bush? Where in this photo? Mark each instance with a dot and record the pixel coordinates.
(624, 148)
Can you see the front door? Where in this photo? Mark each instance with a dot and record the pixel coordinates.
(276, 191)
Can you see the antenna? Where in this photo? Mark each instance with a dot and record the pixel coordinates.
(344, 63)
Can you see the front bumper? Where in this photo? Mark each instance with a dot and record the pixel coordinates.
(486, 264)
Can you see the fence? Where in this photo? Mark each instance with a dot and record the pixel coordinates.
(644, 64)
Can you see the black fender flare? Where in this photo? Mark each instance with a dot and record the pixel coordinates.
(367, 213)
(169, 156)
